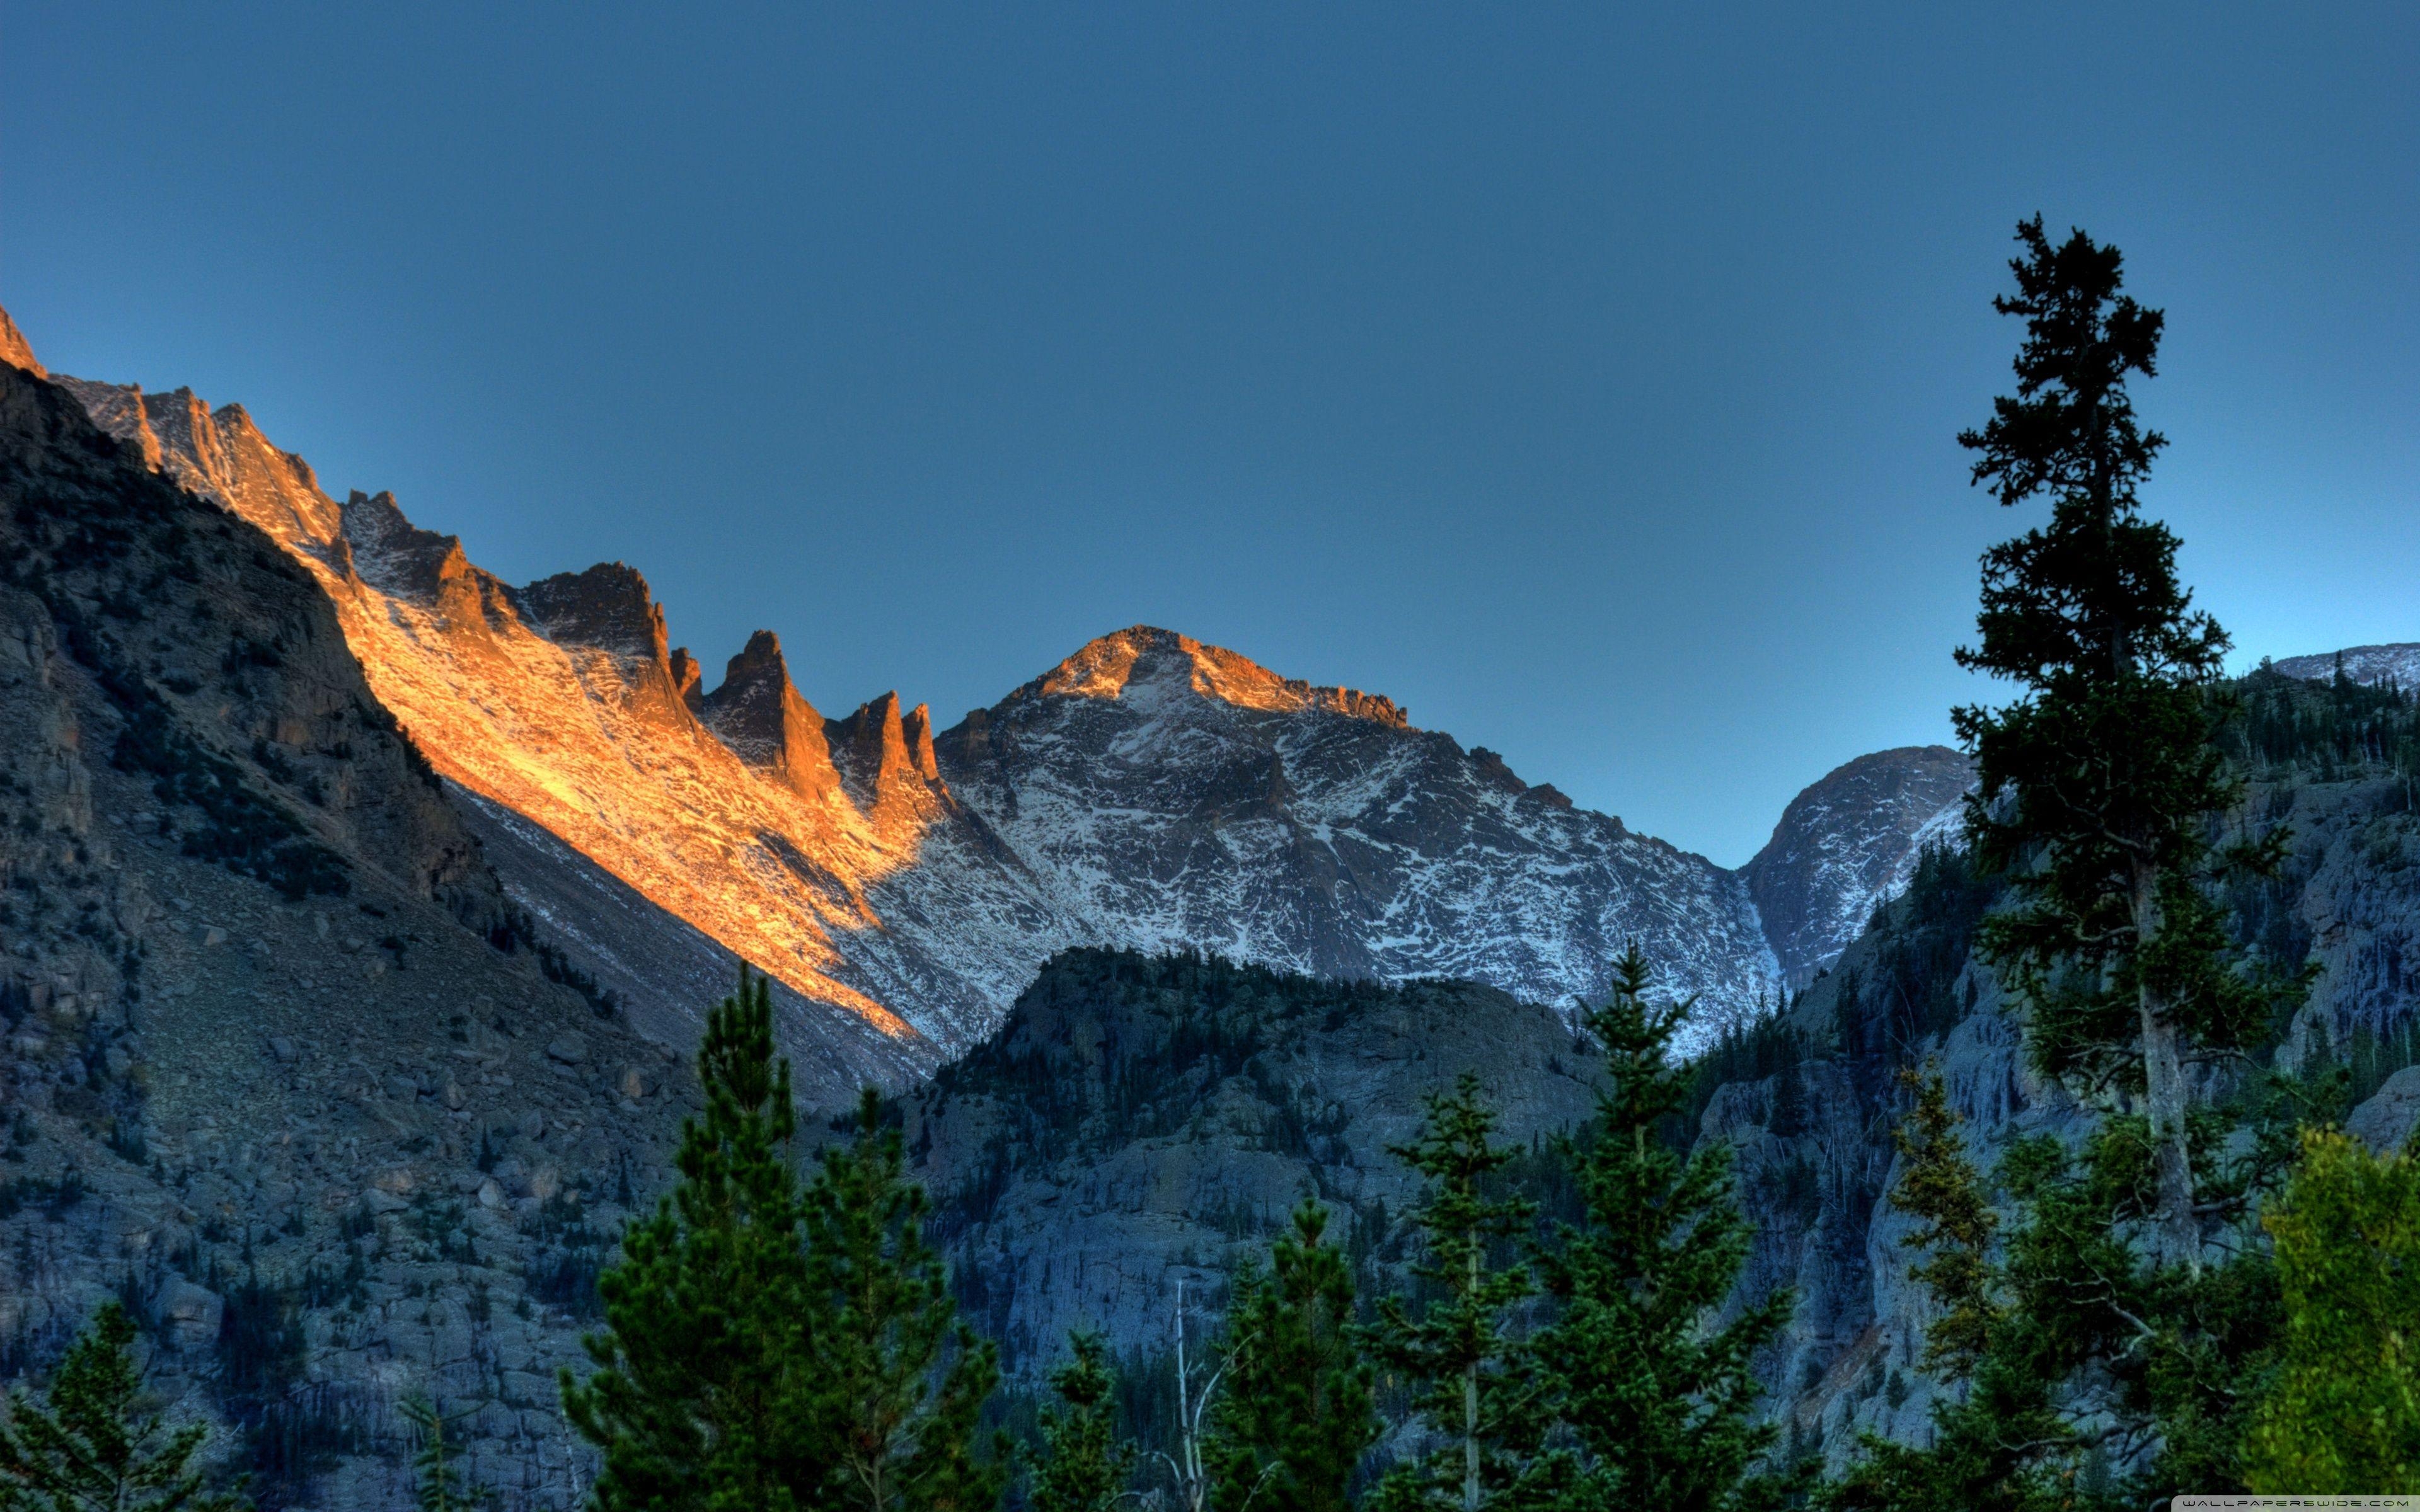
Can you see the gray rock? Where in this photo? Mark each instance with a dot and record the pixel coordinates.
(284, 1049)
(2387, 1121)
(570, 1047)
(188, 1310)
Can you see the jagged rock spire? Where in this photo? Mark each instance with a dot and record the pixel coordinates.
(759, 715)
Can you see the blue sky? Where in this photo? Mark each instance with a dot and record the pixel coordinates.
(1583, 378)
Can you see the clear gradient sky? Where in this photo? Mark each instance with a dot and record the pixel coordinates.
(1583, 378)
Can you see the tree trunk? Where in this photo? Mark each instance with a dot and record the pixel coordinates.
(2176, 1234)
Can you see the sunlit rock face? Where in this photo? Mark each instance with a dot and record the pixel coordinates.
(904, 883)
(1849, 843)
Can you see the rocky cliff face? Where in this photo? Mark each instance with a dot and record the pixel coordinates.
(1143, 1122)
(1849, 843)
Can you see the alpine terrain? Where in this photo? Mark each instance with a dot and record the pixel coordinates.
(904, 884)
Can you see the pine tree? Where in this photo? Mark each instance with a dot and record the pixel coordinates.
(2099, 785)
(1295, 1416)
(1466, 1370)
(92, 1448)
(2104, 1349)
(1084, 1467)
(1660, 1401)
(2342, 1416)
(437, 1486)
(703, 1352)
(899, 1382)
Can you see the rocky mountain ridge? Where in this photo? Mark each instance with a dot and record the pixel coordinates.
(2397, 663)
(902, 885)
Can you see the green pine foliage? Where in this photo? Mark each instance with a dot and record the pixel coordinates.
(1659, 1401)
(702, 1357)
(1466, 1370)
(898, 1382)
(1295, 1416)
(94, 1446)
(2098, 784)
(1084, 1467)
(2342, 1414)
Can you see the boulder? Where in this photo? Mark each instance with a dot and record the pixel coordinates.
(571, 1047)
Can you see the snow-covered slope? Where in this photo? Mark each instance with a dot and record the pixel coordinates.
(2398, 663)
(1849, 842)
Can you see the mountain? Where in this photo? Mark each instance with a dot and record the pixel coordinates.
(1141, 1121)
(281, 1066)
(1849, 842)
(903, 886)
(1175, 795)
(2398, 663)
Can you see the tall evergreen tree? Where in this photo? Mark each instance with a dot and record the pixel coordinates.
(1084, 1466)
(1660, 1401)
(705, 1351)
(2107, 1356)
(2099, 785)
(1295, 1416)
(93, 1447)
(899, 1382)
(1465, 1368)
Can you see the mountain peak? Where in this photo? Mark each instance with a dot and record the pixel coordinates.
(1145, 664)
(14, 351)
(759, 716)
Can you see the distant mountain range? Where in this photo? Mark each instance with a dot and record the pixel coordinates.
(2398, 663)
(904, 883)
